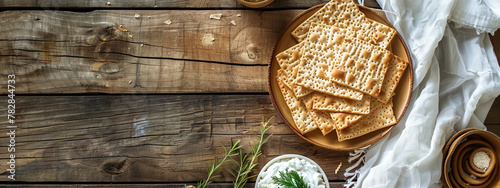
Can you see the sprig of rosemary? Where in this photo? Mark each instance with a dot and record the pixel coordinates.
(247, 161)
(290, 179)
(214, 169)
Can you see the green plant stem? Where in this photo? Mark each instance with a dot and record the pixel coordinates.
(213, 170)
(245, 166)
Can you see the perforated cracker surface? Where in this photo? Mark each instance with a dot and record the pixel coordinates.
(344, 120)
(394, 73)
(345, 14)
(322, 119)
(347, 61)
(289, 61)
(338, 104)
(382, 116)
(316, 64)
(301, 117)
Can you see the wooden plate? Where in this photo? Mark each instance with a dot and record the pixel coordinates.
(330, 141)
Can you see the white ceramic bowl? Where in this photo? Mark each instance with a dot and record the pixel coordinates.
(290, 156)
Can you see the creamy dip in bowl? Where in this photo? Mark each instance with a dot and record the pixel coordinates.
(312, 173)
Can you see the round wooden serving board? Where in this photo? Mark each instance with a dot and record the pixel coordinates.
(330, 141)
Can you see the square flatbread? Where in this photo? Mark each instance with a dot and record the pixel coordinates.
(322, 119)
(344, 120)
(316, 64)
(347, 61)
(302, 118)
(330, 103)
(289, 61)
(345, 14)
(394, 73)
(380, 117)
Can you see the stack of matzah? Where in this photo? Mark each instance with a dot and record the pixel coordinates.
(340, 76)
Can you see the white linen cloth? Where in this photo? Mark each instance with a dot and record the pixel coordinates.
(456, 79)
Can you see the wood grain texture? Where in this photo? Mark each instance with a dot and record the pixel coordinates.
(157, 4)
(113, 52)
(165, 185)
(493, 118)
(146, 138)
(131, 137)
(143, 138)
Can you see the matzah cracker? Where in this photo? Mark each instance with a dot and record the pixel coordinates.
(330, 56)
(322, 119)
(315, 66)
(303, 120)
(345, 14)
(338, 104)
(374, 102)
(381, 117)
(394, 73)
(288, 61)
(355, 63)
(344, 120)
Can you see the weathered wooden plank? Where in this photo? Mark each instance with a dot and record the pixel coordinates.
(493, 115)
(165, 185)
(145, 138)
(493, 119)
(142, 138)
(103, 4)
(113, 52)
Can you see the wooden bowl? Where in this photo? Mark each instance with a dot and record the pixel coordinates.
(330, 141)
(453, 156)
(256, 4)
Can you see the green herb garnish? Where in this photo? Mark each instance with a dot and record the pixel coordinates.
(246, 163)
(290, 179)
(214, 169)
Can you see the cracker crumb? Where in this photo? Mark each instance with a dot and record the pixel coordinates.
(137, 16)
(142, 45)
(233, 22)
(215, 16)
(338, 168)
(121, 28)
(168, 22)
(239, 15)
(208, 39)
(108, 3)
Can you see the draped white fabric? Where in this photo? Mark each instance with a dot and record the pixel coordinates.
(456, 79)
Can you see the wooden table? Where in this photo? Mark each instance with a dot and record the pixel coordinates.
(133, 93)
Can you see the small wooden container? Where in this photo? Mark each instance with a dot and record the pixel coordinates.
(457, 169)
(255, 4)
